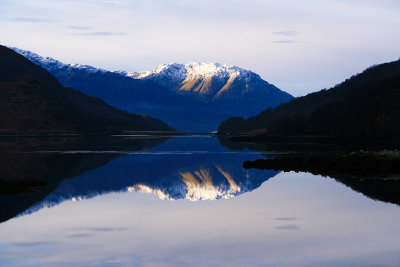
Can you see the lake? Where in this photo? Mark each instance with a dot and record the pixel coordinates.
(186, 200)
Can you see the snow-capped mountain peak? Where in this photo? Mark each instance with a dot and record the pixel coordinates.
(171, 70)
(194, 69)
(206, 81)
(214, 69)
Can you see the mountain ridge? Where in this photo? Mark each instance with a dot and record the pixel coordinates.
(208, 80)
(199, 105)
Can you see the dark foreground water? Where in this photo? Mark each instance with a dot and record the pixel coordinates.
(185, 201)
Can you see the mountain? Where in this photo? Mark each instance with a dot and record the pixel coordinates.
(214, 82)
(366, 105)
(194, 97)
(33, 102)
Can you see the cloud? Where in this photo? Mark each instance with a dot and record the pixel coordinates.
(80, 235)
(100, 33)
(31, 20)
(79, 28)
(285, 41)
(32, 244)
(288, 227)
(286, 33)
(106, 229)
(286, 219)
(100, 229)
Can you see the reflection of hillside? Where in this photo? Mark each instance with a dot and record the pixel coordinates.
(377, 177)
(367, 176)
(28, 177)
(302, 145)
(188, 175)
(386, 190)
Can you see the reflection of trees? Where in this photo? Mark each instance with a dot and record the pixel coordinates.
(374, 176)
(387, 190)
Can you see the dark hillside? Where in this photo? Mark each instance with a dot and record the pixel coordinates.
(367, 104)
(32, 101)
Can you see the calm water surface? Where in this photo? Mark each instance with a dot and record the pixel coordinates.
(188, 201)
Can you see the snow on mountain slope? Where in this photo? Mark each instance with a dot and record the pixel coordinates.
(51, 64)
(173, 72)
(210, 81)
(194, 69)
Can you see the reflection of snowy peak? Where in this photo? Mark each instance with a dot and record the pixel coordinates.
(209, 183)
(202, 184)
(191, 176)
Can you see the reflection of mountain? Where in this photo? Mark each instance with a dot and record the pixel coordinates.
(216, 180)
(192, 174)
(28, 177)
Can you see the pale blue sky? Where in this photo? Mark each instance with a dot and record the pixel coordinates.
(300, 46)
